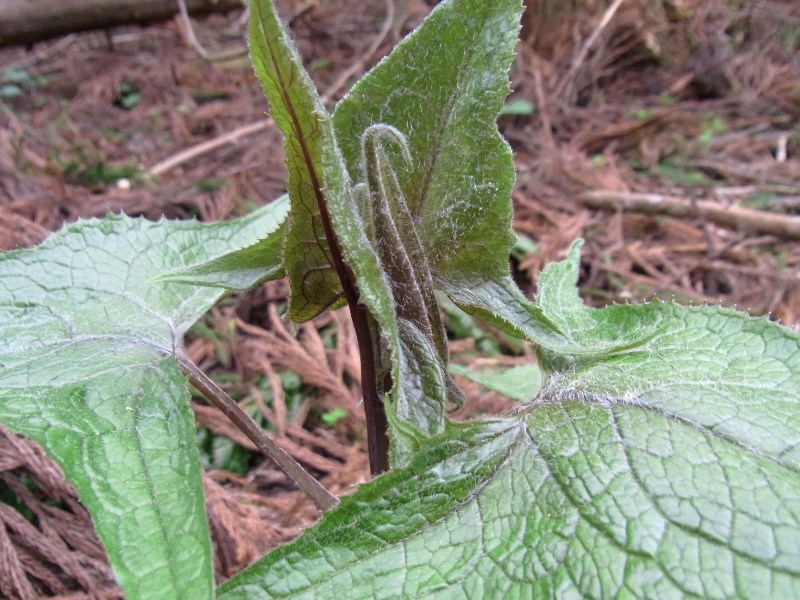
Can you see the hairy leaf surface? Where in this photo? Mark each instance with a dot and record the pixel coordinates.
(321, 193)
(243, 268)
(87, 369)
(667, 470)
(312, 163)
(443, 87)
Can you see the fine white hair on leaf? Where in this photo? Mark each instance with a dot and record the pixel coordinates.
(378, 131)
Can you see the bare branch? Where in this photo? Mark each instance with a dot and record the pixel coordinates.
(786, 226)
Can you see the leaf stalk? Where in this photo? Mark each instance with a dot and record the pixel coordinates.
(319, 495)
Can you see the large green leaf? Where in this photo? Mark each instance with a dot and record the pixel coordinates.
(87, 369)
(665, 471)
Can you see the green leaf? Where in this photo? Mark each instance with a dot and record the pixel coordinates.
(591, 332)
(323, 202)
(443, 87)
(559, 323)
(667, 470)
(713, 367)
(88, 370)
(242, 269)
(520, 383)
(316, 178)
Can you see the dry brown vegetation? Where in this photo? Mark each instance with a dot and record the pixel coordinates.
(696, 101)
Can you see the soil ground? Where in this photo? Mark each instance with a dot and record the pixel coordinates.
(695, 104)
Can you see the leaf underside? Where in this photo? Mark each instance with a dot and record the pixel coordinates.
(88, 335)
(316, 178)
(667, 470)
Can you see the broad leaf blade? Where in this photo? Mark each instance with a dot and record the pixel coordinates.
(615, 328)
(667, 470)
(243, 268)
(315, 176)
(715, 368)
(87, 369)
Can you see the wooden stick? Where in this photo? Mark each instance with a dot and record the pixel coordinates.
(188, 31)
(587, 45)
(28, 21)
(785, 226)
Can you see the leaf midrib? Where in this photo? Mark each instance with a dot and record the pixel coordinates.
(156, 506)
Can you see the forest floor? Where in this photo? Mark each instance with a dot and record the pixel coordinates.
(667, 136)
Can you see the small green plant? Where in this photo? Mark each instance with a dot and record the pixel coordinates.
(332, 417)
(654, 454)
(128, 96)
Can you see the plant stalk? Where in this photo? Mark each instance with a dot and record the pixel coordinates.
(374, 410)
(366, 331)
(367, 335)
(377, 424)
(312, 488)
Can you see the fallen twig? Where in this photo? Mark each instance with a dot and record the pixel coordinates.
(786, 226)
(188, 31)
(587, 45)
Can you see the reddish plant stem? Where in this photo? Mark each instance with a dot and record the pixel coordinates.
(312, 488)
(374, 410)
(366, 333)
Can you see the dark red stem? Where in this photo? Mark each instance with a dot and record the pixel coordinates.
(377, 425)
